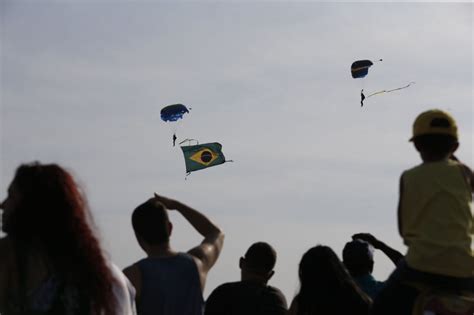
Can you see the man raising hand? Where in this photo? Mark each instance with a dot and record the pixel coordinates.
(170, 282)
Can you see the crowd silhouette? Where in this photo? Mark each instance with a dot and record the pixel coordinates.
(51, 261)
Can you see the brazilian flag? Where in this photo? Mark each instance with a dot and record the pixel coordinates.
(202, 156)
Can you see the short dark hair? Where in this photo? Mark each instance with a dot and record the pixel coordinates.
(437, 145)
(260, 257)
(357, 256)
(150, 222)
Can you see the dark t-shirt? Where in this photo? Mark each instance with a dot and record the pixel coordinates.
(245, 298)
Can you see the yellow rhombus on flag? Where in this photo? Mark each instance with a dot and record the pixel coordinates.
(201, 156)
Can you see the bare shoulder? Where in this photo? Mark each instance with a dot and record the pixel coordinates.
(208, 251)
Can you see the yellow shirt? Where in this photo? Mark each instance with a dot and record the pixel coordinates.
(436, 219)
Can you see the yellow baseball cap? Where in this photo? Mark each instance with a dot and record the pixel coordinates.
(434, 122)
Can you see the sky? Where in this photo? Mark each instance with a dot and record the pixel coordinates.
(83, 82)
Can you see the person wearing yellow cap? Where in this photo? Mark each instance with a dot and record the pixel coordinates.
(435, 218)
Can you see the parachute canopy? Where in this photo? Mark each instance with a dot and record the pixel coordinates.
(360, 68)
(173, 112)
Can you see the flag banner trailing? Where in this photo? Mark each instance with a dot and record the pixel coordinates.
(200, 156)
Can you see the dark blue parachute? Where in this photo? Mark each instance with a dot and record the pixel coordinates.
(173, 112)
(360, 68)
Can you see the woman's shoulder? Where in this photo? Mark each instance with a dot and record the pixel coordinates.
(5, 242)
(124, 291)
(7, 250)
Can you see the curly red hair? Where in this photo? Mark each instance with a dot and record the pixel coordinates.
(54, 213)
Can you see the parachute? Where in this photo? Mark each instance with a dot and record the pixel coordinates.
(173, 113)
(360, 68)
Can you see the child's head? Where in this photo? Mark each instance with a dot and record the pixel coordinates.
(435, 135)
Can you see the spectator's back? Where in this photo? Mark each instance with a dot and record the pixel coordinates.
(245, 297)
(170, 285)
(252, 295)
(170, 282)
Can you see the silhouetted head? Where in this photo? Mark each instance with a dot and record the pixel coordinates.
(435, 147)
(435, 135)
(151, 223)
(46, 212)
(326, 286)
(259, 260)
(358, 257)
(44, 204)
(320, 266)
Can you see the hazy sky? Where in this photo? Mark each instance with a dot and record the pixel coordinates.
(83, 82)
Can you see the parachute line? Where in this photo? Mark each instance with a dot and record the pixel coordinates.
(189, 141)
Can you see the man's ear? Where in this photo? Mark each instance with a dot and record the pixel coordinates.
(455, 147)
(143, 244)
(241, 263)
(139, 239)
(371, 266)
(416, 146)
(170, 228)
(270, 275)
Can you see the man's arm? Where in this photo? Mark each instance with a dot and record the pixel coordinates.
(208, 251)
(394, 255)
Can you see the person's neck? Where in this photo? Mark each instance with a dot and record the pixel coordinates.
(427, 158)
(160, 250)
(253, 278)
(434, 159)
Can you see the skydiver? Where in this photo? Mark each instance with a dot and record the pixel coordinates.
(362, 97)
(174, 139)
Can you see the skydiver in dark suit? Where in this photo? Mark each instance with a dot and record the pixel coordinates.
(362, 97)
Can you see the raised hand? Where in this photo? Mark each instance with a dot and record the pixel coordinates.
(369, 238)
(169, 203)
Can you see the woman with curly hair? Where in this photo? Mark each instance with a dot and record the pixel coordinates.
(51, 262)
(326, 287)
